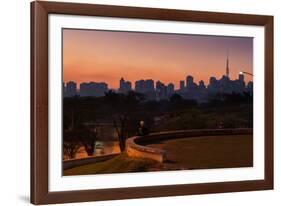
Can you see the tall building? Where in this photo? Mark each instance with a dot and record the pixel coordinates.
(181, 85)
(250, 87)
(161, 90)
(189, 82)
(213, 81)
(170, 89)
(213, 86)
(128, 86)
(145, 87)
(124, 86)
(241, 77)
(148, 85)
(71, 89)
(139, 86)
(241, 82)
(202, 85)
(121, 83)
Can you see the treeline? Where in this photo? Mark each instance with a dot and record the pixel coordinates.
(126, 111)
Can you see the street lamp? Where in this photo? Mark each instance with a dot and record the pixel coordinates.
(242, 72)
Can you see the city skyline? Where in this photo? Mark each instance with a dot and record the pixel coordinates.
(157, 90)
(106, 56)
(133, 84)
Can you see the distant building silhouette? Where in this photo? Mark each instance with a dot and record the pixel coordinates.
(241, 77)
(139, 86)
(161, 91)
(189, 82)
(96, 89)
(70, 89)
(146, 87)
(250, 87)
(181, 85)
(202, 85)
(124, 86)
(213, 86)
(170, 89)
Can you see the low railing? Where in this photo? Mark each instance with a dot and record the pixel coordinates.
(135, 146)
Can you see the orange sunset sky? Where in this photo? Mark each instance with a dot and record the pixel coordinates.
(106, 56)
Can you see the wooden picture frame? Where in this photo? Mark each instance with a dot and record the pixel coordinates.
(40, 193)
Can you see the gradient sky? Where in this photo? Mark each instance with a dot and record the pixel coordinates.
(106, 56)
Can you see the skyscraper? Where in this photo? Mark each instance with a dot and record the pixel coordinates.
(202, 84)
(71, 89)
(241, 82)
(213, 85)
(161, 90)
(182, 85)
(149, 85)
(124, 86)
(121, 83)
(170, 89)
(250, 87)
(139, 86)
(189, 82)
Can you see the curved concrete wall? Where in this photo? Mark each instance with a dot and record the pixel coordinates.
(135, 146)
(135, 150)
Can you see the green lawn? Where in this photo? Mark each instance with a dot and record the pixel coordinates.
(121, 163)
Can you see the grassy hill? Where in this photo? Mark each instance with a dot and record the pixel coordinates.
(120, 164)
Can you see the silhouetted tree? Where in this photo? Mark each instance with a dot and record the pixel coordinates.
(122, 107)
(76, 134)
(70, 149)
(120, 122)
(79, 136)
(71, 144)
(88, 139)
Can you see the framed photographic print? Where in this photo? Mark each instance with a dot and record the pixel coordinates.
(131, 102)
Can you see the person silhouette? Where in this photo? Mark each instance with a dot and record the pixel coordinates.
(142, 130)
